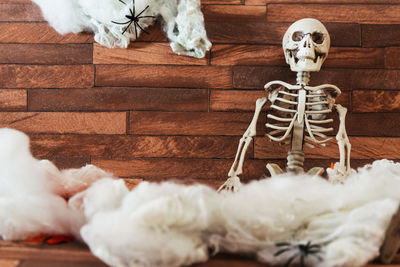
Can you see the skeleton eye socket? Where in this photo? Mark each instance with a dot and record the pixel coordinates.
(298, 36)
(317, 37)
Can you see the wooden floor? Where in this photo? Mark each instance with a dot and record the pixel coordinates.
(78, 255)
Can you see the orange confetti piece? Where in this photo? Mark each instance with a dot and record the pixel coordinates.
(57, 239)
(332, 166)
(37, 239)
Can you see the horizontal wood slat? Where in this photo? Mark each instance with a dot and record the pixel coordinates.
(38, 76)
(376, 101)
(38, 33)
(57, 122)
(143, 53)
(380, 35)
(20, 12)
(194, 123)
(263, 2)
(116, 98)
(164, 76)
(392, 57)
(366, 14)
(373, 124)
(231, 13)
(361, 148)
(13, 100)
(115, 146)
(46, 54)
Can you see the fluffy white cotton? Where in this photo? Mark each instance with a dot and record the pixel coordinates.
(31, 191)
(183, 21)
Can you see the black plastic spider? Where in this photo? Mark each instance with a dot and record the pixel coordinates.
(133, 19)
(303, 250)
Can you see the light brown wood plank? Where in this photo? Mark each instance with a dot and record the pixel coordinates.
(164, 76)
(20, 12)
(13, 100)
(263, 2)
(9, 263)
(46, 54)
(40, 32)
(37, 76)
(116, 98)
(223, 2)
(143, 53)
(365, 14)
(361, 148)
(380, 35)
(62, 122)
(238, 13)
(114, 146)
(194, 123)
(392, 57)
(375, 101)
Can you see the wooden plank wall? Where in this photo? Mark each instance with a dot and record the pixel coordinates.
(146, 113)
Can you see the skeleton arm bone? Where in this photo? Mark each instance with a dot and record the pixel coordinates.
(233, 182)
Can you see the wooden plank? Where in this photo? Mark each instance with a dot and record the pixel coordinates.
(223, 2)
(46, 54)
(101, 146)
(63, 122)
(263, 2)
(380, 35)
(156, 34)
(256, 77)
(376, 79)
(361, 148)
(20, 12)
(365, 14)
(346, 57)
(73, 161)
(116, 98)
(224, 100)
(253, 32)
(373, 124)
(9, 263)
(13, 100)
(231, 13)
(164, 76)
(36, 76)
(392, 55)
(161, 169)
(375, 101)
(143, 53)
(193, 123)
(40, 32)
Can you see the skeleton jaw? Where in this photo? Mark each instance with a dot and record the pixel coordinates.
(305, 63)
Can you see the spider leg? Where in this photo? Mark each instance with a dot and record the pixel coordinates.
(141, 28)
(122, 2)
(135, 29)
(282, 244)
(145, 17)
(281, 251)
(121, 23)
(127, 27)
(142, 11)
(287, 264)
(134, 9)
(302, 260)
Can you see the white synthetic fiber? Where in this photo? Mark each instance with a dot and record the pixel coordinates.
(182, 21)
(31, 191)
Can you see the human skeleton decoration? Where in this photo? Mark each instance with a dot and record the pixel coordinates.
(298, 111)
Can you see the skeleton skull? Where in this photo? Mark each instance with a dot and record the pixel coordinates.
(306, 44)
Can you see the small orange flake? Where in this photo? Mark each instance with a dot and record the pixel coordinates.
(37, 239)
(332, 166)
(57, 239)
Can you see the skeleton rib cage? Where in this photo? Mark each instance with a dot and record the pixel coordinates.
(308, 105)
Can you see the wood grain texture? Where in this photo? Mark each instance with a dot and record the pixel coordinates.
(254, 32)
(232, 13)
(57, 122)
(361, 148)
(373, 124)
(115, 146)
(380, 35)
(225, 2)
(39, 32)
(376, 79)
(117, 98)
(263, 2)
(20, 12)
(392, 57)
(375, 101)
(143, 53)
(37, 76)
(46, 54)
(195, 123)
(364, 14)
(13, 100)
(164, 76)
(9, 263)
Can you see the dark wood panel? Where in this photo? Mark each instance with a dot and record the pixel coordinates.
(116, 146)
(193, 123)
(373, 124)
(361, 148)
(46, 54)
(13, 100)
(74, 161)
(375, 101)
(372, 14)
(253, 32)
(231, 13)
(225, 2)
(380, 35)
(116, 98)
(38, 33)
(392, 57)
(17, 11)
(63, 122)
(143, 53)
(263, 2)
(376, 79)
(164, 76)
(346, 57)
(37, 76)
